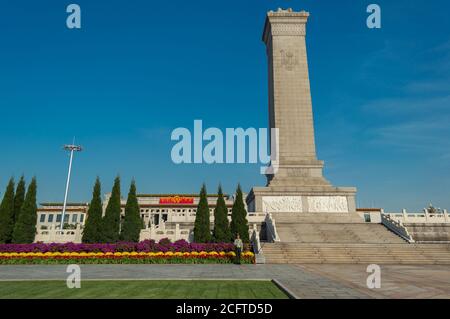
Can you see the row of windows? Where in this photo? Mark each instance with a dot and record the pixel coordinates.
(164, 216)
(174, 210)
(73, 218)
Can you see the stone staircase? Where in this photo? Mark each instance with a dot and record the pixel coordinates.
(345, 239)
(326, 253)
(331, 228)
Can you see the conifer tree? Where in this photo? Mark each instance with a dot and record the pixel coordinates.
(111, 220)
(239, 223)
(132, 223)
(202, 231)
(7, 214)
(222, 233)
(19, 197)
(93, 226)
(25, 226)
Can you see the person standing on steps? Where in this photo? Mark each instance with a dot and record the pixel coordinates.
(238, 248)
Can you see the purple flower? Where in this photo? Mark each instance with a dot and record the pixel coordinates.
(143, 246)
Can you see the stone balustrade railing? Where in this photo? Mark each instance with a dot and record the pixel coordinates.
(271, 229)
(423, 217)
(252, 217)
(396, 227)
(55, 235)
(256, 244)
(159, 232)
(254, 238)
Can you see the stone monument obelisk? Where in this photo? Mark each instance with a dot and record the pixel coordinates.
(297, 184)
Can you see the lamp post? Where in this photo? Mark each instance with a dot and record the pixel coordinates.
(72, 148)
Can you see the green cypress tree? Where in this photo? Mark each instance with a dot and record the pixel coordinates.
(111, 220)
(7, 214)
(239, 223)
(132, 223)
(92, 228)
(202, 232)
(222, 233)
(19, 197)
(25, 227)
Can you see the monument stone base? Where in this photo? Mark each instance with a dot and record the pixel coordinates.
(302, 199)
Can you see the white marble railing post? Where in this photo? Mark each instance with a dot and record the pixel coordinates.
(177, 231)
(426, 214)
(405, 215)
(446, 217)
(255, 239)
(78, 233)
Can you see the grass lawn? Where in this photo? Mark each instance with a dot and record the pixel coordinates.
(160, 289)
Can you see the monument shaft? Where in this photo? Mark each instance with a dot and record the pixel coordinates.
(290, 107)
(297, 184)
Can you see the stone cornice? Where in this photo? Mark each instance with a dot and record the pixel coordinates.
(285, 22)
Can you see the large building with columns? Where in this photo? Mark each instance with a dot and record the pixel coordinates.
(164, 215)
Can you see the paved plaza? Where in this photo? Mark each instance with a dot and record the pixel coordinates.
(304, 281)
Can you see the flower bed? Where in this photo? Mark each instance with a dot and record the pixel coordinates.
(164, 245)
(124, 258)
(146, 252)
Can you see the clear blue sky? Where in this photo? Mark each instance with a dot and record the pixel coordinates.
(138, 69)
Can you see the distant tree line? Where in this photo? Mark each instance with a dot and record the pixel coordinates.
(223, 230)
(18, 213)
(109, 228)
(18, 216)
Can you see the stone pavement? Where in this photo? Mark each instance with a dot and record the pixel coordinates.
(311, 281)
(397, 281)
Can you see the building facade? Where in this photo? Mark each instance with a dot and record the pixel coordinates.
(164, 216)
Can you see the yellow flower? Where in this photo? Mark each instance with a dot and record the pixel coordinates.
(203, 253)
(133, 253)
(194, 253)
(231, 253)
(222, 253)
(178, 253)
(159, 253)
(186, 254)
(248, 253)
(168, 253)
(213, 253)
(117, 254)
